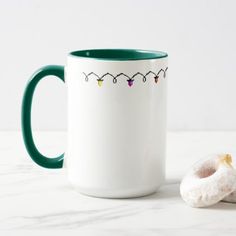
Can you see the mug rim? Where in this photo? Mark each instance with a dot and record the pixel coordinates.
(111, 54)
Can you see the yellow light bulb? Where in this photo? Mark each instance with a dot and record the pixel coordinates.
(100, 83)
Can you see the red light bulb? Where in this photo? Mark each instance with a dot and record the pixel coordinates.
(156, 78)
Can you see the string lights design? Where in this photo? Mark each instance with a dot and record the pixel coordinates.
(130, 79)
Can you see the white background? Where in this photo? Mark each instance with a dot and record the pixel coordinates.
(199, 36)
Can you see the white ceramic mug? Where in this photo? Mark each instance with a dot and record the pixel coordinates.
(116, 121)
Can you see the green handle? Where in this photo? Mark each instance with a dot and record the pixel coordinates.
(40, 159)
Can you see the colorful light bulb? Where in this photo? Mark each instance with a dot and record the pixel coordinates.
(130, 82)
(156, 78)
(100, 82)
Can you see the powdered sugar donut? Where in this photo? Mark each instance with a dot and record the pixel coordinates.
(209, 181)
(230, 198)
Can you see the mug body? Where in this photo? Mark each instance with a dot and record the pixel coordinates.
(116, 122)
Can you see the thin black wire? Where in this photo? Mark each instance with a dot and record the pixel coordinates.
(114, 77)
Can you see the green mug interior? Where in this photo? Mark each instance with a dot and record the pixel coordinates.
(119, 54)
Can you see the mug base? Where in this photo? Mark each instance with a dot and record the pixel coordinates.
(116, 194)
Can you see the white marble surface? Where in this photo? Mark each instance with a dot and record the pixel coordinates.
(37, 201)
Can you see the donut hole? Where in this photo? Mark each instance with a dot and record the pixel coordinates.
(206, 172)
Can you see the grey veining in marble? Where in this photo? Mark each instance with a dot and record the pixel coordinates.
(37, 201)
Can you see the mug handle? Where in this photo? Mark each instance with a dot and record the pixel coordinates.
(36, 156)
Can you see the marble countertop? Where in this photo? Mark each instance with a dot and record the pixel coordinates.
(37, 201)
